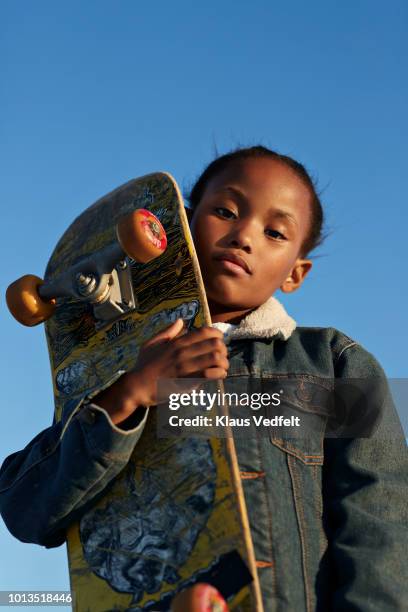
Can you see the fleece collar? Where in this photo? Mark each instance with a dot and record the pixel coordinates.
(269, 319)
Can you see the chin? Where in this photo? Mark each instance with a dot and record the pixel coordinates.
(226, 301)
(229, 294)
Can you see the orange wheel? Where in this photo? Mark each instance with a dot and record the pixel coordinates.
(199, 598)
(141, 235)
(24, 302)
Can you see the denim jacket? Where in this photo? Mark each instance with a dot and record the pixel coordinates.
(328, 516)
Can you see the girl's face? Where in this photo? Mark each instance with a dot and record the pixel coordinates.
(248, 230)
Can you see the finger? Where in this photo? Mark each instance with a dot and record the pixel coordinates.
(199, 335)
(211, 347)
(200, 363)
(167, 334)
(214, 373)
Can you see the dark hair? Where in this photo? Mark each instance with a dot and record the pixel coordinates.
(315, 236)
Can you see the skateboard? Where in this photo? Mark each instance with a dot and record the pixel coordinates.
(174, 520)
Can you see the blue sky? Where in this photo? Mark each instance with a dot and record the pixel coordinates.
(96, 93)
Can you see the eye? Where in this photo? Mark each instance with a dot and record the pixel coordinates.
(225, 212)
(275, 234)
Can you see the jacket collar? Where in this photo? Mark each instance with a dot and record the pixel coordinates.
(268, 320)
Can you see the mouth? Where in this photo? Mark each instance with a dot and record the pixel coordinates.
(233, 262)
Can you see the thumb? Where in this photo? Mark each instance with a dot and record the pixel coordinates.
(166, 334)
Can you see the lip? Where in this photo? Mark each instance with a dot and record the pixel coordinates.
(235, 259)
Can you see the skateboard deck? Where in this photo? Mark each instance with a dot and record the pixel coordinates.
(176, 515)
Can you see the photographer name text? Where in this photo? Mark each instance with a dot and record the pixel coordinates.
(227, 421)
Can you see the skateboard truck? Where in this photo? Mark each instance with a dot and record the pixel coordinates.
(118, 296)
(102, 279)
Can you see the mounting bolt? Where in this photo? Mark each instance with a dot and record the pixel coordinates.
(123, 264)
(86, 283)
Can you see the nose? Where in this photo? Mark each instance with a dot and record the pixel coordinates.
(241, 236)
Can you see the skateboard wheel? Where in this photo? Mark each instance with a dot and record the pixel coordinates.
(25, 303)
(141, 235)
(199, 598)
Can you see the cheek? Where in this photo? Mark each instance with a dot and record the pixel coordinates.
(197, 220)
(201, 242)
(204, 232)
(277, 263)
(196, 229)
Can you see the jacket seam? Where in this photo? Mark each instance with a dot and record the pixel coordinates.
(251, 475)
(319, 511)
(118, 457)
(46, 456)
(78, 501)
(290, 450)
(265, 488)
(264, 564)
(300, 520)
(352, 343)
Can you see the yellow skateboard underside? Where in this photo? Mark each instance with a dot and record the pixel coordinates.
(175, 515)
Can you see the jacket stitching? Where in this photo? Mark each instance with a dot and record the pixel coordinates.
(300, 520)
(265, 490)
(352, 343)
(251, 475)
(319, 511)
(78, 500)
(293, 451)
(31, 467)
(262, 564)
(110, 456)
(46, 456)
(117, 457)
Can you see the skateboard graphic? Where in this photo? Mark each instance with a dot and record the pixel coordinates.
(174, 521)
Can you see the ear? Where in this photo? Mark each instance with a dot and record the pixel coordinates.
(297, 275)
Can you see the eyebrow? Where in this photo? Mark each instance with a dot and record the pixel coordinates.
(278, 213)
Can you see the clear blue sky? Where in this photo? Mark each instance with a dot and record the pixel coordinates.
(95, 93)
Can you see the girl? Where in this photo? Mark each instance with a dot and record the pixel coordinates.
(327, 516)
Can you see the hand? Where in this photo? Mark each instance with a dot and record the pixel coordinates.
(197, 354)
